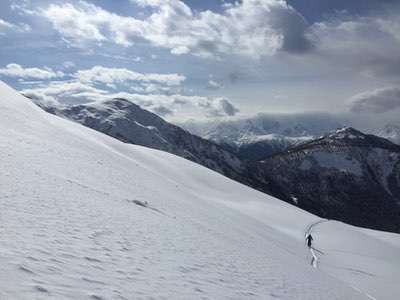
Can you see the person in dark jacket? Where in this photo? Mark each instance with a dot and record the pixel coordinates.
(309, 240)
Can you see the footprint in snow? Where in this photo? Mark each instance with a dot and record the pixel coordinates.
(41, 289)
(145, 204)
(140, 203)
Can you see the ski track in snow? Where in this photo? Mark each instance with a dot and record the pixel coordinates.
(315, 259)
(309, 229)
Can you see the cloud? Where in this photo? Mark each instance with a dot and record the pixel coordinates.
(214, 85)
(376, 101)
(160, 93)
(68, 65)
(162, 111)
(65, 92)
(226, 108)
(7, 26)
(367, 44)
(293, 28)
(22, 7)
(99, 74)
(234, 77)
(184, 106)
(85, 22)
(15, 70)
(175, 106)
(218, 107)
(253, 28)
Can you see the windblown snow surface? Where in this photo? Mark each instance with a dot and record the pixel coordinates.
(84, 216)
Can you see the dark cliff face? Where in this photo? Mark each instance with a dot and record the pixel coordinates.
(345, 175)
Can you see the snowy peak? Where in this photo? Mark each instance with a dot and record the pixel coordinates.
(130, 109)
(120, 103)
(112, 110)
(348, 137)
(347, 133)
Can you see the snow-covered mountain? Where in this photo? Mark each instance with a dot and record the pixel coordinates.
(256, 137)
(129, 123)
(390, 132)
(85, 216)
(345, 175)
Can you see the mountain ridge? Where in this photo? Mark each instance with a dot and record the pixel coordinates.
(128, 122)
(345, 175)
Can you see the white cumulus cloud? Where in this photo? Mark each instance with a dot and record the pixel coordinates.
(64, 92)
(16, 70)
(174, 106)
(100, 74)
(252, 28)
(214, 85)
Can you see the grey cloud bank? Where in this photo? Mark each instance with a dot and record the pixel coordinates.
(376, 101)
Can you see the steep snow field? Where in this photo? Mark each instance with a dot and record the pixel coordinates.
(83, 216)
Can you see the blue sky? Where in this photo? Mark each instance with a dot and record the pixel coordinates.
(207, 59)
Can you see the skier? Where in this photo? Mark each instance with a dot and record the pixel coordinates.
(309, 239)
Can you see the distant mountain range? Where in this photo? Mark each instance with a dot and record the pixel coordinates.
(344, 175)
(256, 137)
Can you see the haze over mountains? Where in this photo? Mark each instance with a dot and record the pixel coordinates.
(391, 132)
(257, 137)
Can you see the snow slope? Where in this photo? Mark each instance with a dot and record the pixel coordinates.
(84, 216)
(127, 122)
